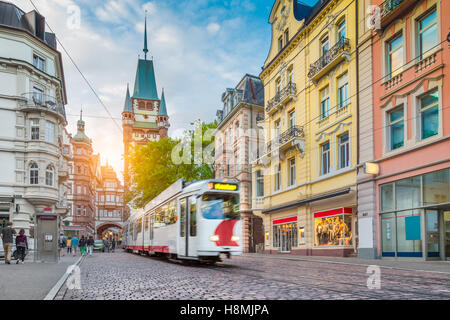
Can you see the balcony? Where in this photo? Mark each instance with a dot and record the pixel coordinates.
(257, 203)
(63, 171)
(294, 136)
(287, 93)
(390, 10)
(33, 101)
(339, 52)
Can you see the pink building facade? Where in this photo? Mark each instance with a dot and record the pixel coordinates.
(411, 129)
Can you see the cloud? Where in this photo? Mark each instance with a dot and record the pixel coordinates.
(213, 28)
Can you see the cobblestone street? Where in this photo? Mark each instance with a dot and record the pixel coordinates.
(125, 276)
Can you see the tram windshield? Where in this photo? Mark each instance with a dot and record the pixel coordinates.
(220, 206)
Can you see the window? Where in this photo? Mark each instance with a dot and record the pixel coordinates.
(429, 115)
(84, 212)
(286, 37)
(34, 129)
(278, 177)
(290, 78)
(259, 184)
(291, 170)
(396, 128)
(78, 189)
(278, 87)
(222, 207)
(291, 119)
(325, 158)
(280, 43)
(343, 91)
(324, 103)
(38, 95)
(84, 189)
(324, 46)
(341, 30)
(394, 56)
(428, 37)
(34, 174)
(277, 128)
(344, 158)
(38, 62)
(193, 216)
(183, 209)
(333, 230)
(49, 176)
(78, 211)
(49, 131)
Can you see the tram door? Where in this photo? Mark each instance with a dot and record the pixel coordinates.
(188, 227)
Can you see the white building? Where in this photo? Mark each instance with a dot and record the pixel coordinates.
(33, 170)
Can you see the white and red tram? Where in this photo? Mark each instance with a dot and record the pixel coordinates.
(196, 221)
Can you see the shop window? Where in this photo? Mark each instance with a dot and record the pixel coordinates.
(388, 234)
(407, 193)
(333, 230)
(436, 187)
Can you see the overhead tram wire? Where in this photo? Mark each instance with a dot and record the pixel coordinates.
(81, 73)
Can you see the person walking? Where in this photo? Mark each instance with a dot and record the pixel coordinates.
(105, 244)
(7, 237)
(82, 245)
(74, 245)
(113, 244)
(62, 243)
(90, 245)
(69, 245)
(21, 245)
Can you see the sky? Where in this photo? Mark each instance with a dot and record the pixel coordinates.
(199, 48)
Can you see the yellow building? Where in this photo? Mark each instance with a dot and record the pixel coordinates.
(304, 184)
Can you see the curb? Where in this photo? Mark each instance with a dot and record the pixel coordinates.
(54, 291)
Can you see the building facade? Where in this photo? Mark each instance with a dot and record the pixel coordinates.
(309, 162)
(411, 129)
(33, 175)
(236, 144)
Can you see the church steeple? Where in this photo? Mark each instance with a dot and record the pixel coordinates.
(145, 37)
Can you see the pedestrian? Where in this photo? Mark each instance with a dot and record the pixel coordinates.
(82, 245)
(62, 243)
(113, 244)
(74, 245)
(105, 244)
(21, 245)
(7, 236)
(90, 245)
(69, 245)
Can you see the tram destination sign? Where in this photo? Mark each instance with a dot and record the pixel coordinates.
(223, 186)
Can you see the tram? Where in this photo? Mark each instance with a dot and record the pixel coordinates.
(192, 221)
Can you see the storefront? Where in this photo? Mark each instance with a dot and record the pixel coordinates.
(284, 234)
(414, 218)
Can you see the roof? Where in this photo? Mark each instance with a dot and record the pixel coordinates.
(145, 83)
(162, 106)
(32, 22)
(127, 105)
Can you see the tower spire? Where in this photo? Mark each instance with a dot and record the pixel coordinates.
(145, 37)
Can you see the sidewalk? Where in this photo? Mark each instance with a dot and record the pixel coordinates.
(31, 281)
(412, 265)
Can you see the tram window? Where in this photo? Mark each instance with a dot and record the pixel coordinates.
(139, 226)
(182, 216)
(147, 220)
(166, 214)
(152, 221)
(193, 216)
(217, 206)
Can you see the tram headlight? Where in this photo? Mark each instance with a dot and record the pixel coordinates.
(214, 238)
(235, 238)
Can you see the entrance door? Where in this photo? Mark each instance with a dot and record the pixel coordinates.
(285, 238)
(447, 234)
(432, 233)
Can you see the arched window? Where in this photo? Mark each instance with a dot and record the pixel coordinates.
(49, 174)
(34, 173)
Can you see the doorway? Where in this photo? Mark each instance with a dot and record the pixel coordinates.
(437, 234)
(446, 224)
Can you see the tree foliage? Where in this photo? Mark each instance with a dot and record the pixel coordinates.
(153, 167)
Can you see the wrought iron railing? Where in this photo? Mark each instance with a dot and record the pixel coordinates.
(389, 6)
(342, 45)
(288, 135)
(43, 101)
(289, 90)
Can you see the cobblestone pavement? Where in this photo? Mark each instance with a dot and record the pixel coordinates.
(125, 276)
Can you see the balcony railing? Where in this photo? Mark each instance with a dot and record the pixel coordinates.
(43, 102)
(389, 10)
(342, 46)
(285, 137)
(287, 92)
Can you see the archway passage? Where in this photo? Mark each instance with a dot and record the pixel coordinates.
(105, 228)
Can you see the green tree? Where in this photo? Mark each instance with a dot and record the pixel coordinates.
(153, 167)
